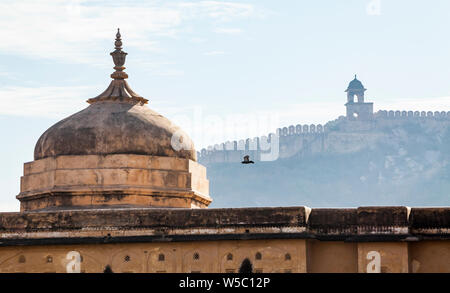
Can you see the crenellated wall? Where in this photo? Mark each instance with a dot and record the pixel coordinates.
(384, 114)
(280, 142)
(233, 151)
(300, 129)
(301, 140)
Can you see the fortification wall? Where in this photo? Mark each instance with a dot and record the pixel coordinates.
(426, 122)
(286, 142)
(391, 114)
(340, 134)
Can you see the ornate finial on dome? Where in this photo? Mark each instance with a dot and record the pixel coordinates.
(119, 90)
(119, 58)
(118, 42)
(355, 74)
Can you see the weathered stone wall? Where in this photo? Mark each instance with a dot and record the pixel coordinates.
(294, 239)
(207, 256)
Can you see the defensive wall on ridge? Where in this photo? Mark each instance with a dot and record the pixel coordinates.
(308, 139)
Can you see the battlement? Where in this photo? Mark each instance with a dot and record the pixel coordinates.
(300, 129)
(384, 114)
(257, 143)
(308, 137)
(263, 143)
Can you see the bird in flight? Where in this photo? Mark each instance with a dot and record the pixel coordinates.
(247, 160)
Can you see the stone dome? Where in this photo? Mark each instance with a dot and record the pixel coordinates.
(113, 128)
(116, 122)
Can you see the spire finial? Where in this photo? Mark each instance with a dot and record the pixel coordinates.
(119, 90)
(118, 42)
(355, 76)
(119, 58)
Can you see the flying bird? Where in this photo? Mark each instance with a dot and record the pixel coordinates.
(247, 160)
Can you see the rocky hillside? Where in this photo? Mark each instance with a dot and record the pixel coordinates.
(383, 163)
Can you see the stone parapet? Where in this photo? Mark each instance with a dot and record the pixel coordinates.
(430, 221)
(364, 224)
(383, 220)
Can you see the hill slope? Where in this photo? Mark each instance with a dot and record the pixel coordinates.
(408, 164)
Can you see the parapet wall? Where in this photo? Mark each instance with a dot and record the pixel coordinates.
(276, 240)
(307, 138)
(233, 151)
(301, 129)
(411, 114)
(395, 223)
(263, 143)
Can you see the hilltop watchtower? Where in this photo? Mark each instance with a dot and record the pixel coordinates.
(357, 109)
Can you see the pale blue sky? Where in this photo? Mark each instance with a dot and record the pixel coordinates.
(199, 62)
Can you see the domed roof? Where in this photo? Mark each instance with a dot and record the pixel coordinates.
(355, 84)
(116, 122)
(113, 128)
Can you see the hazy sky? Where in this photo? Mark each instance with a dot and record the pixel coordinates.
(213, 65)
